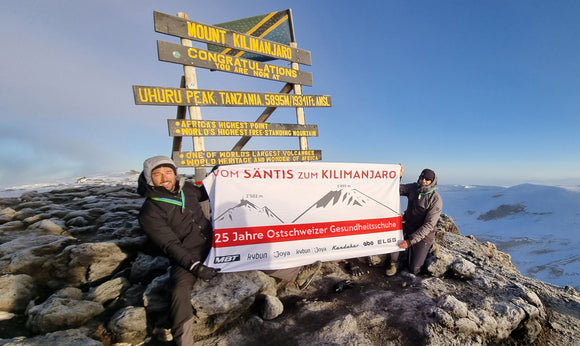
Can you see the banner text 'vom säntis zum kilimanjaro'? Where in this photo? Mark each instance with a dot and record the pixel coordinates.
(284, 215)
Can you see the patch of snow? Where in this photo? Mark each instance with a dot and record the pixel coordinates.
(117, 178)
(539, 226)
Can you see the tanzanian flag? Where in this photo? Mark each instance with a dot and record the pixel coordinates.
(275, 26)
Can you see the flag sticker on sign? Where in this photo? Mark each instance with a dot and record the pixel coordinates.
(275, 26)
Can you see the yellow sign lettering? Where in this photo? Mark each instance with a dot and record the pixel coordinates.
(159, 95)
(203, 32)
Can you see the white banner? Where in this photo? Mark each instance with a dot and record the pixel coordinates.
(283, 215)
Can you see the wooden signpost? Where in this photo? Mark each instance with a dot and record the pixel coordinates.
(235, 45)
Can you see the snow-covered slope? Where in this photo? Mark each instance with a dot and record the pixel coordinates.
(537, 225)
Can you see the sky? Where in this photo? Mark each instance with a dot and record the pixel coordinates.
(482, 92)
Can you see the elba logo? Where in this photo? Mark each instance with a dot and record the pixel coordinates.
(226, 259)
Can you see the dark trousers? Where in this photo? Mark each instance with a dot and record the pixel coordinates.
(181, 310)
(416, 255)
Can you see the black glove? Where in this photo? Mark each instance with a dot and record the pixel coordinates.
(355, 269)
(203, 272)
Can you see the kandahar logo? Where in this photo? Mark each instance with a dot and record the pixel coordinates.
(226, 259)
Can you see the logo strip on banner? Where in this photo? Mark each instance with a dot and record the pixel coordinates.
(280, 233)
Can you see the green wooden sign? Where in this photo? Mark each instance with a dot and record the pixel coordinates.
(161, 96)
(186, 127)
(218, 158)
(179, 54)
(181, 27)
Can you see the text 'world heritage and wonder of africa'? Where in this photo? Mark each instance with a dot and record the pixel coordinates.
(219, 158)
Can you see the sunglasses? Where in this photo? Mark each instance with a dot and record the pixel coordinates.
(423, 177)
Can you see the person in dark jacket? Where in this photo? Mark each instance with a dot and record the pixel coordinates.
(173, 219)
(424, 207)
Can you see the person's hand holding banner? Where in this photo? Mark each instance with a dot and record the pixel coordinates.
(403, 244)
(203, 272)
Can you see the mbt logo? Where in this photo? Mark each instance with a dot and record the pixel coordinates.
(226, 259)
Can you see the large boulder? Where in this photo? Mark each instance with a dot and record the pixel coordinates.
(60, 312)
(108, 290)
(16, 291)
(34, 255)
(89, 262)
(129, 325)
(227, 297)
(7, 214)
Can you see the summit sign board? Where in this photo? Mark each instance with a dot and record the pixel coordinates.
(247, 47)
(196, 31)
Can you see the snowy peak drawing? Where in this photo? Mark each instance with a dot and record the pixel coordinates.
(334, 197)
(333, 205)
(345, 202)
(247, 210)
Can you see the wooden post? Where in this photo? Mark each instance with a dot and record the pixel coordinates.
(261, 119)
(194, 111)
(181, 113)
(300, 118)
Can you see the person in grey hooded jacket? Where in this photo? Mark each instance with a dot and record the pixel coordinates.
(424, 207)
(173, 219)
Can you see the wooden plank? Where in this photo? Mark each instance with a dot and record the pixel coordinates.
(300, 116)
(190, 77)
(181, 114)
(181, 27)
(262, 118)
(162, 96)
(238, 128)
(219, 158)
(179, 54)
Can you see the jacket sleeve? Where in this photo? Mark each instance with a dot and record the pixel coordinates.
(404, 189)
(430, 223)
(157, 227)
(203, 193)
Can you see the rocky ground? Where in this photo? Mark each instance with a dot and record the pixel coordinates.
(76, 269)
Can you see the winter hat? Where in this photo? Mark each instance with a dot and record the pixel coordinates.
(156, 161)
(427, 174)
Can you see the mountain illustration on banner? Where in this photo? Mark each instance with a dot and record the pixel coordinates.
(336, 205)
(232, 216)
(348, 204)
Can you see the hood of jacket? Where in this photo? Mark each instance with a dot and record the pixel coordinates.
(153, 162)
(146, 190)
(427, 188)
(145, 186)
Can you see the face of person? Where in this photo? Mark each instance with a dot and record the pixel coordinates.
(424, 181)
(164, 176)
